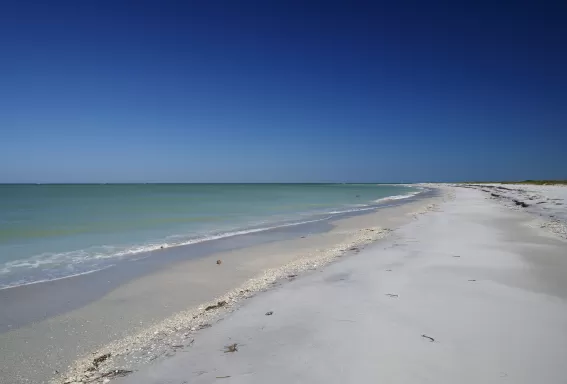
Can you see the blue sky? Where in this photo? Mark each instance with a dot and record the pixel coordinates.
(294, 91)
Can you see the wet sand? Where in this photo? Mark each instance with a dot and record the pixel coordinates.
(136, 310)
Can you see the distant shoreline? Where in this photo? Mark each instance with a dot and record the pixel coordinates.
(527, 182)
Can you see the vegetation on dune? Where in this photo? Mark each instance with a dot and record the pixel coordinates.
(532, 182)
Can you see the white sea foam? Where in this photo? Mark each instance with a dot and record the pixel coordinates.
(365, 208)
(368, 207)
(24, 282)
(400, 197)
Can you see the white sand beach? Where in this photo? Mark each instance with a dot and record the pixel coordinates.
(469, 293)
(460, 287)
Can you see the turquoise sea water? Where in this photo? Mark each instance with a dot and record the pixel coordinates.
(54, 231)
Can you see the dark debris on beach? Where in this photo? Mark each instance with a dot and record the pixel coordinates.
(100, 359)
(217, 305)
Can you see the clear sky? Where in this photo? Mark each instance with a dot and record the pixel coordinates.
(282, 91)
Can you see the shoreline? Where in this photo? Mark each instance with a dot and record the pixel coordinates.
(455, 296)
(152, 306)
(19, 272)
(24, 304)
(141, 251)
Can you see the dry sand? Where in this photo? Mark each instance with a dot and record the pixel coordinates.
(469, 293)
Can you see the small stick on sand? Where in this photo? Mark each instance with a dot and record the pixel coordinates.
(217, 305)
(428, 337)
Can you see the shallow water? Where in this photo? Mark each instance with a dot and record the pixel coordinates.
(53, 231)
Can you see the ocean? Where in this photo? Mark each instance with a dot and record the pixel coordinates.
(59, 230)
